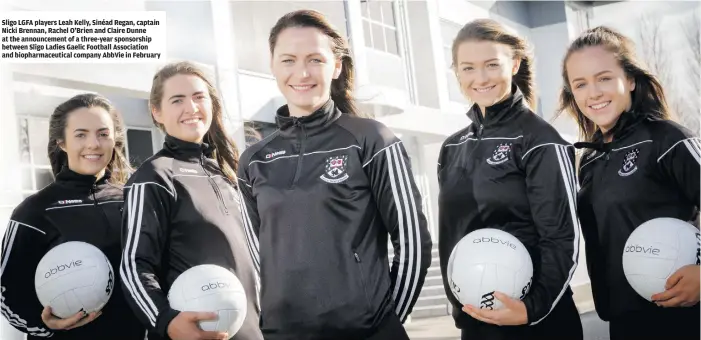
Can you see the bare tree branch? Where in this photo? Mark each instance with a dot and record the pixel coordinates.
(690, 26)
(658, 58)
(653, 47)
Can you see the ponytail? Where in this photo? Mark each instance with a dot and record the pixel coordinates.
(525, 81)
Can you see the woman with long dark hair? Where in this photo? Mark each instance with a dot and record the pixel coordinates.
(86, 152)
(324, 194)
(509, 170)
(637, 165)
(181, 208)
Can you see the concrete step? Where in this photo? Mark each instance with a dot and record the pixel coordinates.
(432, 290)
(430, 311)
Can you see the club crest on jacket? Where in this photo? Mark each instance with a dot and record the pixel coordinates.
(335, 169)
(629, 160)
(500, 155)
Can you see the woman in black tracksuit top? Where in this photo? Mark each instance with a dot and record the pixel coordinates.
(637, 165)
(86, 153)
(323, 195)
(181, 208)
(511, 171)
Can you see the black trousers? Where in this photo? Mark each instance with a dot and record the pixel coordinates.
(658, 323)
(563, 322)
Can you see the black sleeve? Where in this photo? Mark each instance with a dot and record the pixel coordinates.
(26, 241)
(679, 162)
(249, 210)
(147, 203)
(551, 189)
(399, 204)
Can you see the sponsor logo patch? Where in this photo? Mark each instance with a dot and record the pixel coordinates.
(500, 154)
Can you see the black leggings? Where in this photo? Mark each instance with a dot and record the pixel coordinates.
(563, 322)
(657, 323)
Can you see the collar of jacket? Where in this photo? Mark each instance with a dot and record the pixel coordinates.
(318, 120)
(625, 125)
(188, 150)
(70, 178)
(500, 112)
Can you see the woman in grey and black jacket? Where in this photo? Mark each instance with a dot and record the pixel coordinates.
(181, 208)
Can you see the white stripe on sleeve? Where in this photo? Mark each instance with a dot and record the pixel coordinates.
(128, 266)
(568, 177)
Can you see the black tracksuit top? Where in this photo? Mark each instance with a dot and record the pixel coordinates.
(650, 169)
(322, 194)
(180, 212)
(74, 208)
(512, 171)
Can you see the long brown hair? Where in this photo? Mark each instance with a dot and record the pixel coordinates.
(341, 88)
(648, 96)
(492, 31)
(225, 151)
(118, 166)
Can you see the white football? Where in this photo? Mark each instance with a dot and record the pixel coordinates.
(211, 288)
(485, 261)
(655, 250)
(74, 276)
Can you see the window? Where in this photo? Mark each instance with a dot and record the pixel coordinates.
(34, 162)
(139, 146)
(448, 33)
(379, 25)
(253, 20)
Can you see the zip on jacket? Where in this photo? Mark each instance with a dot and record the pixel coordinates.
(322, 195)
(178, 214)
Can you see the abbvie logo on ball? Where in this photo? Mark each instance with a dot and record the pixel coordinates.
(215, 285)
(640, 249)
(494, 240)
(62, 267)
(487, 301)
